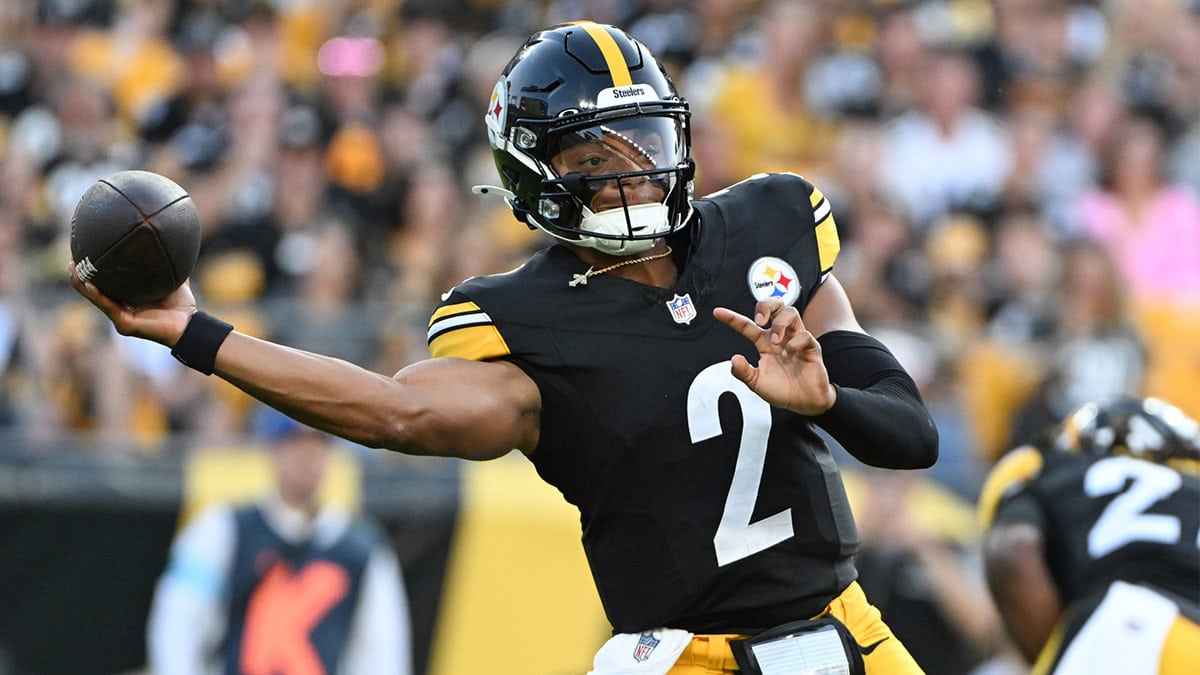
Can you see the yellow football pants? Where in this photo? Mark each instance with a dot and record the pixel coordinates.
(1131, 628)
(710, 654)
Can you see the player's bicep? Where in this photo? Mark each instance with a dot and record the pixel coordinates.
(471, 409)
(830, 310)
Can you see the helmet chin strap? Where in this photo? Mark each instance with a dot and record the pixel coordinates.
(645, 219)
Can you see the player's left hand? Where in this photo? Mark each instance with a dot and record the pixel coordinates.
(790, 373)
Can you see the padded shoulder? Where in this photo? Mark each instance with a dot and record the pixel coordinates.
(1008, 477)
(794, 206)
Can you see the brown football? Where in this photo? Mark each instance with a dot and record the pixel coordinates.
(136, 236)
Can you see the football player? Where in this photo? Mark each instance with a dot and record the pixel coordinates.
(1092, 549)
(714, 517)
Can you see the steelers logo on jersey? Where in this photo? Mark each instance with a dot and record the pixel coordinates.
(772, 277)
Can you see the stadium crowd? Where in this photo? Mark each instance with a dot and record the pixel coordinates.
(1017, 185)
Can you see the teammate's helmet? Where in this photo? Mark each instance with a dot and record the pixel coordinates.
(1147, 428)
(583, 108)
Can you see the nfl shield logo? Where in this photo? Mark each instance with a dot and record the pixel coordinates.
(646, 644)
(682, 309)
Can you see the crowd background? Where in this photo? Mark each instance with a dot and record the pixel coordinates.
(1016, 185)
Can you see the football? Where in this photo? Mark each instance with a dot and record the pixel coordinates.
(135, 235)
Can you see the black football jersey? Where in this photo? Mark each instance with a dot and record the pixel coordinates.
(702, 507)
(1103, 518)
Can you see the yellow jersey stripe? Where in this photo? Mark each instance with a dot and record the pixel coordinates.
(476, 343)
(450, 310)
(828, 244)
(1015, 468)
(816, 198)
(612, 53)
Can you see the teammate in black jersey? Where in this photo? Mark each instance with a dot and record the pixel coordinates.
(711, 510)
(1092, 547)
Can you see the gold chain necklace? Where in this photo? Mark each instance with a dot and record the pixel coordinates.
(582, 279)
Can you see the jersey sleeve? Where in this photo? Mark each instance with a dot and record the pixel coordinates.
(460, 328)
(1004, 495)
(825, 229)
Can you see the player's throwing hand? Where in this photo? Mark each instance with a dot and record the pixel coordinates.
(163, 321)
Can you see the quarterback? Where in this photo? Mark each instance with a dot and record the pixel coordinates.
(664, 364)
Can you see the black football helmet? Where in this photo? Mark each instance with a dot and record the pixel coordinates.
(591, 140)
(1146, 428)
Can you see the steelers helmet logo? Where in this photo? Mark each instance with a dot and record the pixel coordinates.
(772, 277)
(497, 112)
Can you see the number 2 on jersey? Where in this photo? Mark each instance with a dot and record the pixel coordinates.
(1125, 519)
(736, 536)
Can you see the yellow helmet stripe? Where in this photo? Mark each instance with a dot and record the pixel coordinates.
(610, 50)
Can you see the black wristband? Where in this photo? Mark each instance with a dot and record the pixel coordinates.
(197, 347)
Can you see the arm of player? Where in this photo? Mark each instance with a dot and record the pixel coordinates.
(1021, 584)
(825, 366)
(444, 407)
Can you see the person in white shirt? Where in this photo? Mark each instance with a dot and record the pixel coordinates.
(285, 584)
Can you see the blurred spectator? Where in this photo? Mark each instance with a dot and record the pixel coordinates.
(285, 584)
(694, 38)
(1184, 160)
(899, 51)
(1051, 167)
(955, 249)
(761, 108)
(1152, 59)
(14, 306)
(435, 85)
(17, 80)
(1039, 46)
(1092, 113)
(1151, 227)
(132, 59)
(924, 571)
(1096, 351)
(880, 266)
(188, 131)
(79, 383)
(1023, 274)
(947, 154)
(236, 200)
(328, 313)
